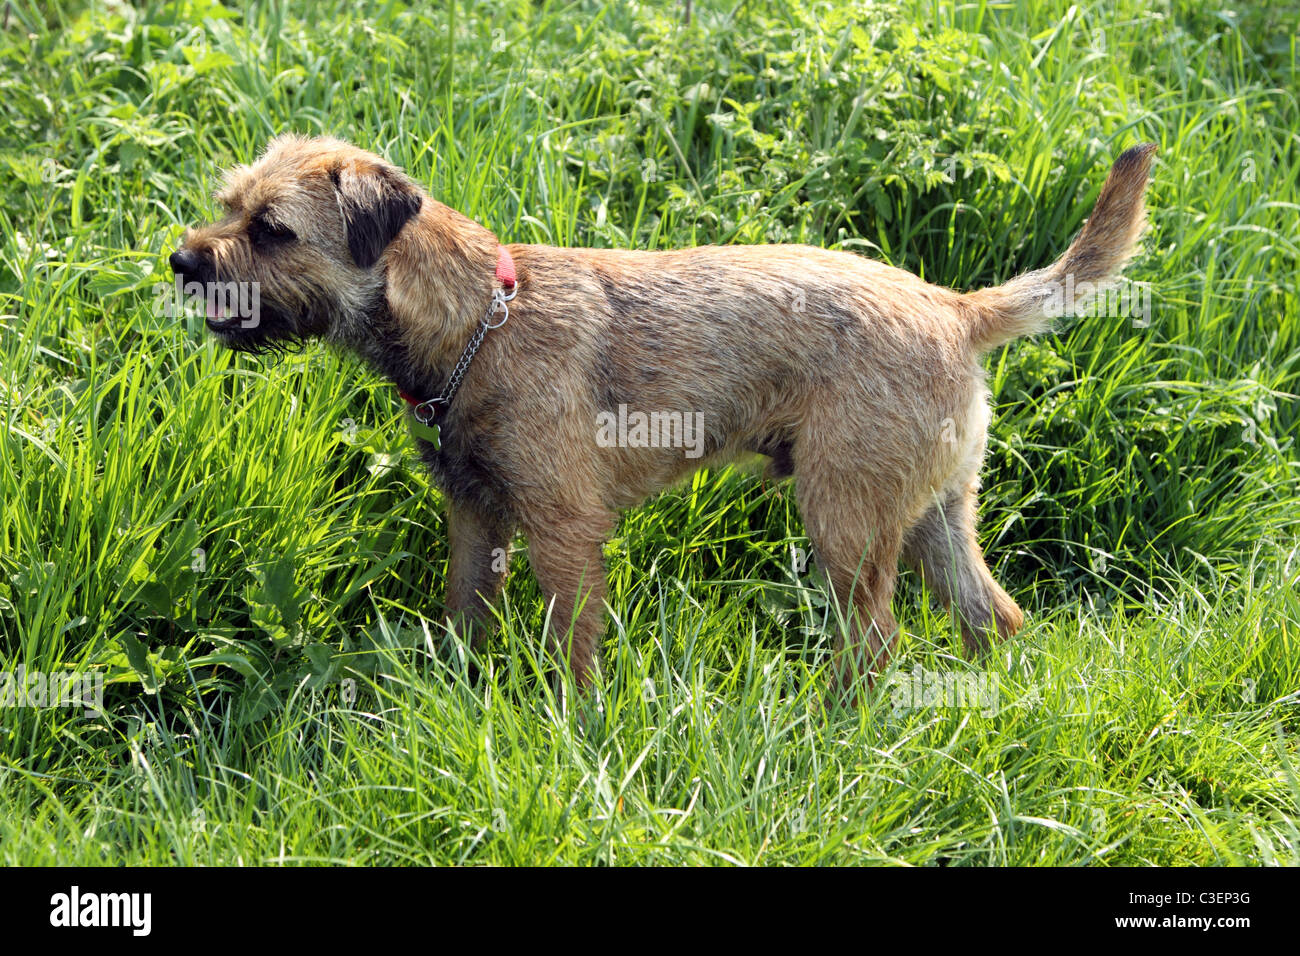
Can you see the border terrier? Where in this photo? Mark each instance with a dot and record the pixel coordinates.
(557, 386)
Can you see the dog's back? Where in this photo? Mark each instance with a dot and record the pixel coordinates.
(745, 340)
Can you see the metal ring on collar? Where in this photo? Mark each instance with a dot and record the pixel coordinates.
(499, 300)
(425, 412)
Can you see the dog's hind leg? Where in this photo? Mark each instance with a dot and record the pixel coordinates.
(856, 540)
(943, 549)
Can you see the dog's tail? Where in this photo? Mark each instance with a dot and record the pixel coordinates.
(1091, 264)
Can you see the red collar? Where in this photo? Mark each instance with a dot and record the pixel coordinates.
(507, 277)
(505, 268)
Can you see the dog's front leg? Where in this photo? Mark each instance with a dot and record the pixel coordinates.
(566, 554)
(476, 570)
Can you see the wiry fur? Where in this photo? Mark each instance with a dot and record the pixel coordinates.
(860, 379)
(1097, 256)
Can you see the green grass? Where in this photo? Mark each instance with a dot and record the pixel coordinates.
(253, 558)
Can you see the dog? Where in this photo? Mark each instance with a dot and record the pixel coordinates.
(534, 370)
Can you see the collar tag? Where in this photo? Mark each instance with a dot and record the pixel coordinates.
(422, 432)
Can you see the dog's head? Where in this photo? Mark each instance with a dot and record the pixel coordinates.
(299, 251)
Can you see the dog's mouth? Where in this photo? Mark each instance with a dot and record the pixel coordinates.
(267, 329)
(218, 321)
(226, 306)
(241, 317)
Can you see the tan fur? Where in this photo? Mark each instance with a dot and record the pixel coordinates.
(861, 378)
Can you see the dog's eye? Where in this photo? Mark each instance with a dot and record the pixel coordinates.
(264, 233)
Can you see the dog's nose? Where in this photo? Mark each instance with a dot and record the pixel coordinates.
(183, 261)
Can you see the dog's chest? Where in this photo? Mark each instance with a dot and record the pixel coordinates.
(463, 467)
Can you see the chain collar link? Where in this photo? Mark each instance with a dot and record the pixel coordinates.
(425, 412)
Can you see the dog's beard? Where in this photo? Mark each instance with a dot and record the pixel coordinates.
(270, 330)
(275, 333)
(264, 347)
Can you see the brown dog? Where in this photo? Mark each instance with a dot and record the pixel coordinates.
(619, 372)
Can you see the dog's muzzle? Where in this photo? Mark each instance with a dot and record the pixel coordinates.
(188, 265)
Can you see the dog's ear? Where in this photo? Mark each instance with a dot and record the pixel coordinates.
(376, 202)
